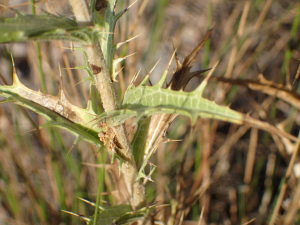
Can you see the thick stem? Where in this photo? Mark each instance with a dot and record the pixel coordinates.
(108, 97)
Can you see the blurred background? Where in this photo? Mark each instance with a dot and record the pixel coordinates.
(230, 173)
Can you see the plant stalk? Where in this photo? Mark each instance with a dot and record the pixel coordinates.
(109, 101)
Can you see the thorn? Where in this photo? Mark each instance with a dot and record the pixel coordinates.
(164, 76)
(167, 140)
(202, 86)
(35, 129)
(12, 60)
(117, 61)
(211, 72)
(119, 70)
(125, 57)
(124, 42)
(145, 80)
(148, 177)
(15, 77)
(170, 62)
(71, 149)
(131, 5)
(178, 63)
(12, 9)
(196, 73)
(296, 77)
(61, 93)
(91, 203)
(135, 77)
(116, 73)
(80, 82)
(74, 214)
(154, 66)
(123, 12)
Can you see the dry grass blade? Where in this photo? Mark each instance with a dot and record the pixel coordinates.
(228, 173)
(296, 76)
(251, 155)
(284, 184)
(249, 222)
(268, 87)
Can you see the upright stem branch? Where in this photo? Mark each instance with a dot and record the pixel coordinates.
(108, 97)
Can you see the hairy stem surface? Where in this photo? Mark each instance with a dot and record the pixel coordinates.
(108, 97)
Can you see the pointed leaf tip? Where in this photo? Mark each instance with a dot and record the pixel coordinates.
(124, 42)
(162, 79)
(118, 16)
(135, 77)
(164, 76)
(170, 62)
(154, 66)
(143, 83)
(15, 76)
(202, 86)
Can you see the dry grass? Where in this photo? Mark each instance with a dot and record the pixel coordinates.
(231, 173)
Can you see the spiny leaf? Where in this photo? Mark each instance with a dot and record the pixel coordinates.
(268, 87)
(145, 146)
(45, 27)
(58, 111)
(139, 140)
(144, 101)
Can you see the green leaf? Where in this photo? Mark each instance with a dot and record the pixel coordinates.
(86, 67)
(139, 140)
(119, 214)
(110, 215)
(45, 27)
(144, 101)
(58, 111)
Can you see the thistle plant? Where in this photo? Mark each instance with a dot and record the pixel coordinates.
(152, 108)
